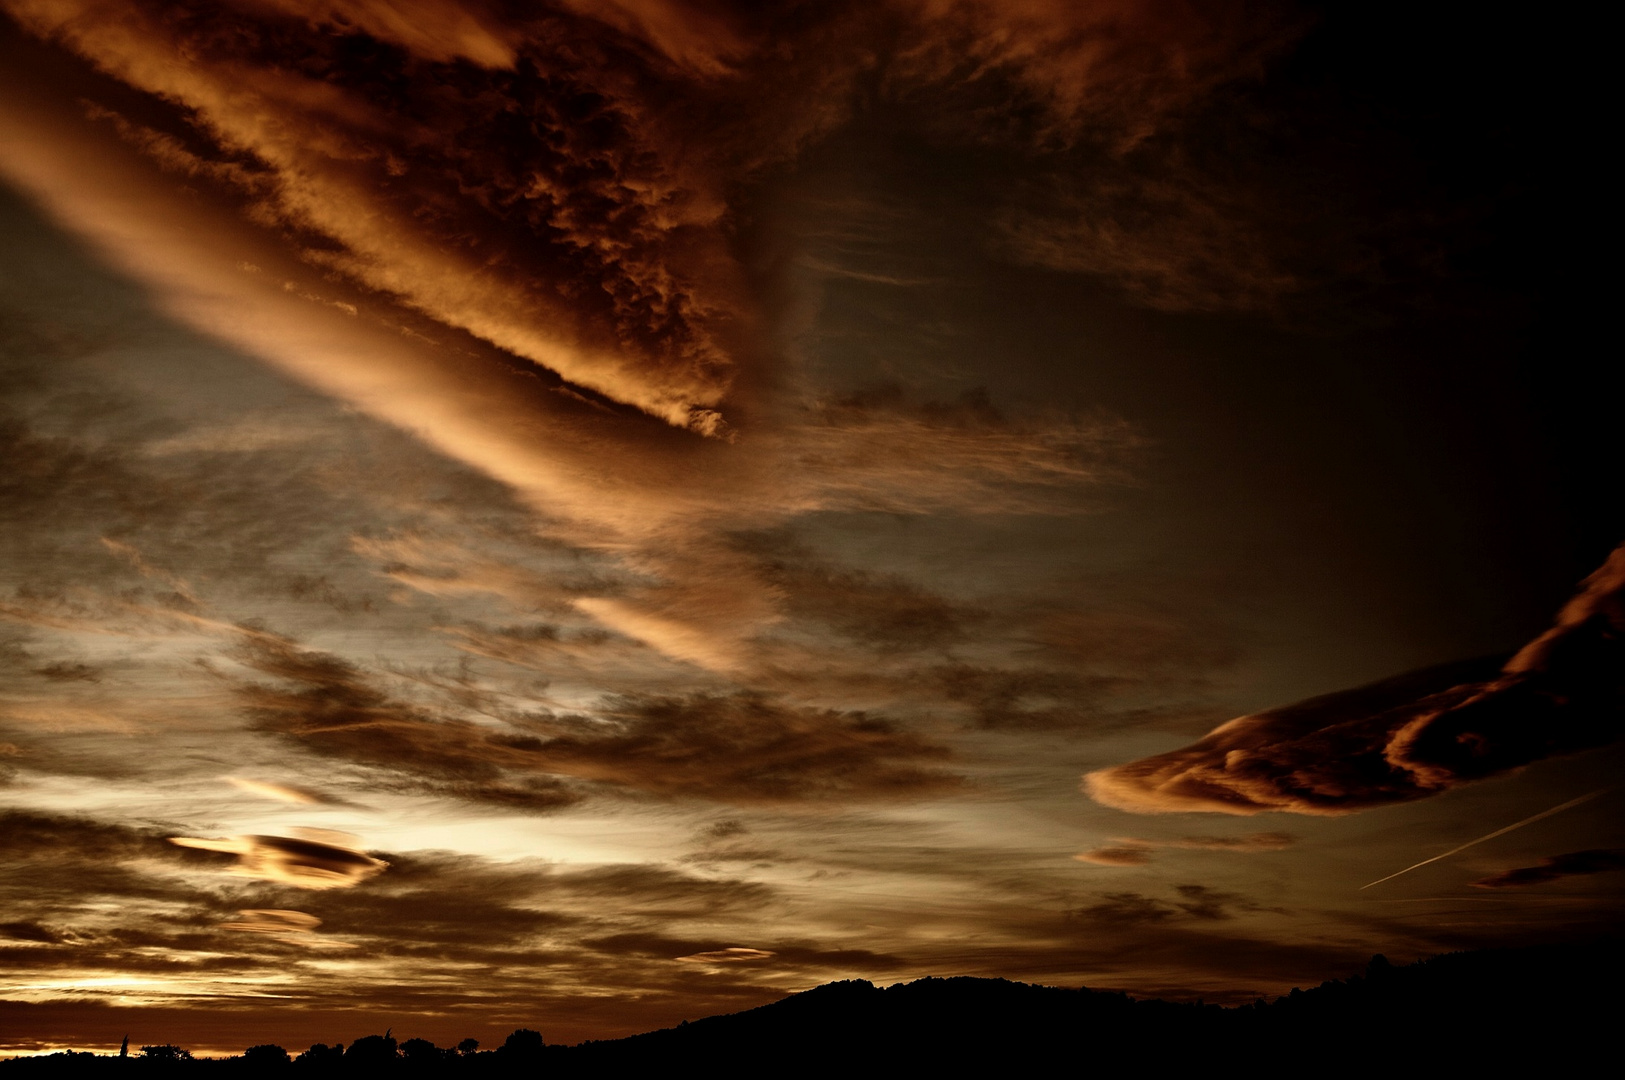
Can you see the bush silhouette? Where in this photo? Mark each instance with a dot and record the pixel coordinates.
(266, 1055)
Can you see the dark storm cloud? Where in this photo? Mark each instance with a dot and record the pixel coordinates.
(1407, 737)
(564, 180)
(541, 181)
(1553, 867)
(731, 748)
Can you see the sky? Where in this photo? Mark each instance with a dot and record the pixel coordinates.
(588, 515)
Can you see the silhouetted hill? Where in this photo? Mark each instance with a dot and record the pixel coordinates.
(1490, 1011)
(1491, 1007)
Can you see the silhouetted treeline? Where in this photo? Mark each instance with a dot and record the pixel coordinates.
(1494, 1011)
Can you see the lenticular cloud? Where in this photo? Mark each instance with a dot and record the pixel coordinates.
(1408, 737)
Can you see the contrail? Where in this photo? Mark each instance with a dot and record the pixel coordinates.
(1498, 832)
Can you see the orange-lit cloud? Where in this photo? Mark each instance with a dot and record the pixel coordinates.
(1120, 855)
(559, 182)
(281, 924)
(289, 793)
(315, 859)
(624, 284)
(1408, 737)
(733, 955)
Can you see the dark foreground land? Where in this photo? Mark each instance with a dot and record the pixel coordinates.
(1549, 1010)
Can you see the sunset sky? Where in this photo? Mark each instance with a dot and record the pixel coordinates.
(584, 514)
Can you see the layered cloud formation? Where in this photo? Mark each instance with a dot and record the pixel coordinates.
(1408, 737)
(564, 180)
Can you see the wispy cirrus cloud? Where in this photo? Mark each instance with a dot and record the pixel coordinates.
(732, 748)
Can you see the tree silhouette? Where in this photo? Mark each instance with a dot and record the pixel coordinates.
(522, 1045)
(468, 1047)
(267, 1055)
(165, 1052)
(321, 1056)
(422, 1052)
(371, 1050)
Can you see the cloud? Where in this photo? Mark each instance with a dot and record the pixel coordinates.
(27, 836)
(798, 954)
(583, 218)
(1168, 245)
(1553, 867)
(329, 705)
(1125, 909)
(737, 748)
(877, 452)
(283, 925)
(1123, 855)
(68, 671)
(565, 222)
(1130, 851)
(30, 931)
(1264, 841)
(732, 955)
(289, 793)
(91, 905)
(1191, 903)
(724, 829)
(315, 859)
(748, 749)
(272, 921)
(567, 180)
(1407, 737)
